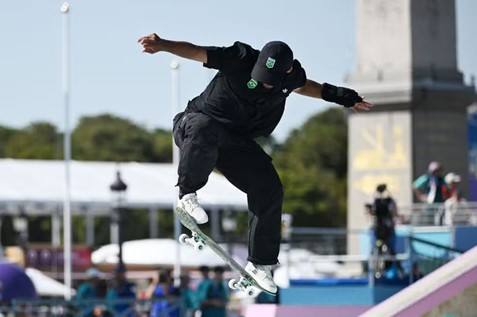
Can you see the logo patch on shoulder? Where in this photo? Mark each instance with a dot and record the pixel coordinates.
(252, 84)
(270, 62)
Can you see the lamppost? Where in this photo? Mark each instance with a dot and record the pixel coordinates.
(65, 9)
(118, 190)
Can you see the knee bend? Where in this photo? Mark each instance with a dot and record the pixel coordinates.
(273, 192)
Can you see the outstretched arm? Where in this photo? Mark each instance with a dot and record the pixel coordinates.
(152, 44)
(340, 95)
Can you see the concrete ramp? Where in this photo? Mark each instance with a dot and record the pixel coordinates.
(438, 293)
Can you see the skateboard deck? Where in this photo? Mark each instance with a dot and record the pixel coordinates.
(199, 240)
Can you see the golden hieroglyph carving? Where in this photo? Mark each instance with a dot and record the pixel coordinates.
(379, 155)
(381, 159)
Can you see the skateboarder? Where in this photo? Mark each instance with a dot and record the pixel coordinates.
(245, 100)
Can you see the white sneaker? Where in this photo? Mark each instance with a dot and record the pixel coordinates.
(263, 275)
(190, 204)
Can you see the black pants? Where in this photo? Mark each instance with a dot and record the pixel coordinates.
(206, 144)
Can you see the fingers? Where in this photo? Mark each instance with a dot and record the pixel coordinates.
(148, 50)
(369, 105)
(363, 105)
(151, 38)
(146, 40)
(149, 43)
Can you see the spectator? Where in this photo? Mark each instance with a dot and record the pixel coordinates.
(87, 292)
(165, 296)
(452, 180)
(123, 292)
(384, 212)
(431, 187)
(214, 297)
(203, 284)
(455, 210)
(187, 299)
(100, 308)
(87, 289)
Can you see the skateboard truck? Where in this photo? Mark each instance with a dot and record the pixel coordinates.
(196, 241)
(244, 285)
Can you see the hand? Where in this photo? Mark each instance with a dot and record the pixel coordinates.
(363, 105)
(150, 43)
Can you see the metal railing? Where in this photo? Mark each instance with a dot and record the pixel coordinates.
(434, 256)
(441, 214)
(324, 253)
(86, 308)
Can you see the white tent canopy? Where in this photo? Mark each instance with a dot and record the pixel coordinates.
(159, 252)
(149, 184)
(45, 285)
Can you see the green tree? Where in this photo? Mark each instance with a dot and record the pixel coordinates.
(162, 146)
(39, 140)
(39, 228)
(8, 235)
(6, 134)
(312, 164)
(110, 138)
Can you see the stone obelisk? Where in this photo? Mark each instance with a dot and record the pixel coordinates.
(407, 66)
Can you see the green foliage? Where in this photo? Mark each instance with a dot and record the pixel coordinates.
(6, 134)
(102, 232)
(39, 228)
(162, 142)
(110, 138)
(8, 236)
(37, 141)
(140, 229)
(312, 164)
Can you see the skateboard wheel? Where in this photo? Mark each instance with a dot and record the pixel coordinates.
(233, 284)
(183, 238)
(250, 291)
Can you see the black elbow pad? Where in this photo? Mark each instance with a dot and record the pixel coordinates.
(340, 95)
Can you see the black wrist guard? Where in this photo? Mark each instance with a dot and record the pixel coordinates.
(340, 95)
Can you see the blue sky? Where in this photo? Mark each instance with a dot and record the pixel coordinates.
(110, 74)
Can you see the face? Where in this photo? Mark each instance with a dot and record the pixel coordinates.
(437, 172)
(218, 275)
(267, 86)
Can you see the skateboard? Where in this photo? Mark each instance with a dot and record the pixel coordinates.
(199, 240)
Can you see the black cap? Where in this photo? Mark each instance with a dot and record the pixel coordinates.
(273, 62)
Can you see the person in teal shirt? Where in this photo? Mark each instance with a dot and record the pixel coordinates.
(431, 187)
(202, 285)
(213, 296)
(187, 300)
(87, 292)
